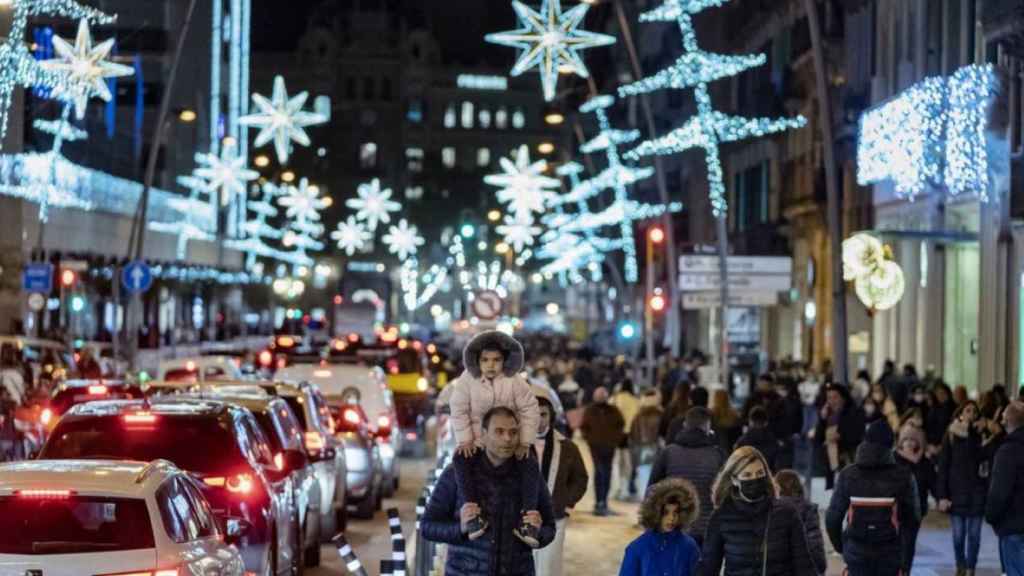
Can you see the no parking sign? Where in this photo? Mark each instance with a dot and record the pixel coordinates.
(488, 305)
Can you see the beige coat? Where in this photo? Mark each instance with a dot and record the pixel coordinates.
(473, 397)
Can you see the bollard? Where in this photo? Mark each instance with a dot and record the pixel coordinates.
(386, 568)
(348, 556)
(397, 542)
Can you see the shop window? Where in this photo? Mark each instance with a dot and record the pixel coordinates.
(467, 114)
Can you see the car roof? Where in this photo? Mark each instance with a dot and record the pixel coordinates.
(33, 342)
(92, 382)
(125, 478)
(170, 406)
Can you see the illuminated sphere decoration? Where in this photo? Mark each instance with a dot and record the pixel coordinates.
(883, 288)
(862, 253)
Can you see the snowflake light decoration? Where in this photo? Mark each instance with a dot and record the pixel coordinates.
(282, 119)
(373, 204)
(550, 40)
(518, 231)
(403, 239)
(695, 69)
(86, 67)
(523, 185)
(351, 236)
(226, 173)
(62, 128)
(17, 65)
(303, 202)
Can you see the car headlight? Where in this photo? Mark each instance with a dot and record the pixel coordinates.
(356, 459)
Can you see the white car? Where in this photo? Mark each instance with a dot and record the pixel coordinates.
(98, 517)
(200, 369)
(366, 386)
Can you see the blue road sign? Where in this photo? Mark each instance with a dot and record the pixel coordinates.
(136, 277)
(37, 278)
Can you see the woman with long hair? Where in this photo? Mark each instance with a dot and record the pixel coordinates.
(885, 403)
(752, 532)
(677, 408)
(939, 417)
(962, 486)
(725, 420)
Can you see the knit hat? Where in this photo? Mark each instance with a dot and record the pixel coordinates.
(879, 432)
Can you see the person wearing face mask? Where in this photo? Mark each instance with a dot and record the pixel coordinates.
(886, 405)
(839, 431)
(665, 548)
(878, 500)
(1004, 509)
(752, 531)
(910, 452)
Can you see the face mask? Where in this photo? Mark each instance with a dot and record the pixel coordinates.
(752, 490)
(919, 398)
(869, 410)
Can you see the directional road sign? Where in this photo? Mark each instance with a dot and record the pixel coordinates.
(136, 277)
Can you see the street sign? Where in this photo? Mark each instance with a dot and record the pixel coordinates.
(37, 278)
(487, 305)
(713, 299)
(136, 277)
(750, 273)
(36, 301)
(75, 265)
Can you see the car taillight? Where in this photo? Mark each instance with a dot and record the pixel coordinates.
(353, 338)
(403, 344)
(314, 441)
(44, 494)
(286, 342)
(45, 416)
(190, 366)
(237, 484)
(383, 421)
(279, 461)
(340, 345)
(417, 345)
(266, 358)
(140, 418)
(281, 363)
(97, 390)
(351, 416)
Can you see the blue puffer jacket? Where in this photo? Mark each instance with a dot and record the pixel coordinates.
(498, 552)
(661, 554)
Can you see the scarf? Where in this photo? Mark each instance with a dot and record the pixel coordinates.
(545, 465)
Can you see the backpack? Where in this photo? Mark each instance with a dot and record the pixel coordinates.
(873, 520)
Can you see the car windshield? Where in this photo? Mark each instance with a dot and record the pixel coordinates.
(73, 525)
(173, 437)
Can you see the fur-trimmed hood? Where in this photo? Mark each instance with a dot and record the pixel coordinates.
(514, 355)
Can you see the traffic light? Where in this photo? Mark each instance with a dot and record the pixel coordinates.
(656, 234)
(627, 330)
(68, 278)
(467, 231)
(657, 303)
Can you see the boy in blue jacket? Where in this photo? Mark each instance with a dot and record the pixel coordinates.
(664, 548)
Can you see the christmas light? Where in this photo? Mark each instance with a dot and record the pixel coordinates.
(523, 186)
(373, 204)
(302, 205)
(282, 119)
(351, 236)
(709, 128)
(883, 288)
(550, 40)
(226, 173)
(403, 239)
(86, 68)
(62, 128)
(17, 65)
(862, 254)
(518, 231)
(972, 90)
(185, 231)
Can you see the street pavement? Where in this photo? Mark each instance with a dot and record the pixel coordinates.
(595, 545)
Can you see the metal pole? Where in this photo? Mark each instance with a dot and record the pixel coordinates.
(723, 322)
(840, 359)
(648, 313)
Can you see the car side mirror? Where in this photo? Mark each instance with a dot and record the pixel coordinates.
(235, 529)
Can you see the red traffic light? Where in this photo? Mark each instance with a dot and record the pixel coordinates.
(657, 302)
(656, 234)
(67, 278)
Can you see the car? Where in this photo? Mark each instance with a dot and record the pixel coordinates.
(72, 392)
(74, 517)
(219, 442)
(283, 430)
(362, 455)
(200, 369)
(354, 382)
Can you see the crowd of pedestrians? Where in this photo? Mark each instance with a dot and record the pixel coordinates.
(722, 486)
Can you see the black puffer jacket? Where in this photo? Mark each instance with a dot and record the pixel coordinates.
(498, 552)
(766, 443)
(693, 456)
(960, 480)
(812, 527)
(1005, 507)
(739, 534)
(874, 474)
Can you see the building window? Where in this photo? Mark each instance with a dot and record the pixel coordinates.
(368, 88)
(518, 119)
(467, 114)
(449, 116)
(501, 118)
(368, 155)
(415, 112)
(448, 157)
(483, 157)
(414, 160)
(414, 193)
(485, 118)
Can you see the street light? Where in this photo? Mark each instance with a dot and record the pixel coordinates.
(288, 176)
(657, 235)
(657, 303)
(501, 248)
(552, 308)
(554, 118)
(261, 161)
(185, 115)
(494, 215)
(467, 231)
(545, 148)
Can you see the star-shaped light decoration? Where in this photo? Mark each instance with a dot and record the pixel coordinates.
(226, 173)
(351, 236)
(303, 202)
(550, 40)
(523, 184)
(87, 68)
(518, 231)
(403, 239)
(282, 119)
(373, 204)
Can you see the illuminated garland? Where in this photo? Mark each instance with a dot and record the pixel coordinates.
(709, 128)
